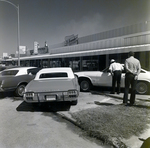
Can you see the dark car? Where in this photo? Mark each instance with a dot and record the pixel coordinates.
(15, 79)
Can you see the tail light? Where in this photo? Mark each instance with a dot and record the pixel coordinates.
(73, 93)
(29, 95)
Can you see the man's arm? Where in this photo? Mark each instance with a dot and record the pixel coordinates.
(139, 69)
(110, 69)
(126, 65)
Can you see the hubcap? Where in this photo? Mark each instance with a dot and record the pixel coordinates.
(141, 87)
(84, 85)
(21, 90)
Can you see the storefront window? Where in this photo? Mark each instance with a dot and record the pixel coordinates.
(90, 63)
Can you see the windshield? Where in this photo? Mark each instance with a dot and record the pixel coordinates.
(9, 72)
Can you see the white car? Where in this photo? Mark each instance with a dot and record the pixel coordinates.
(53, 85)
(87, 79)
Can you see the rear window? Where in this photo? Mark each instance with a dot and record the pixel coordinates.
(53, 75)
(9, 72)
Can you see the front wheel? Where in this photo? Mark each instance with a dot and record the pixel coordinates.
(85, 85)
(142, 88)
(20, 89)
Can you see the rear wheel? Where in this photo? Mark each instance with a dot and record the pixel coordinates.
(20, 89)
(85, 85)
(142, 88)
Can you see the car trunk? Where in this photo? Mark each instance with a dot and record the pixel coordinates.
(50, 85)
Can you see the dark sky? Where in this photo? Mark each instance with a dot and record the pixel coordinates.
(52, 20)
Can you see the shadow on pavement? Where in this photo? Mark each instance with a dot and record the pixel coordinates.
(103, 103)
(6, 94)
(43, 107)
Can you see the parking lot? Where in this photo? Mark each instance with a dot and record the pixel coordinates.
(23, 125)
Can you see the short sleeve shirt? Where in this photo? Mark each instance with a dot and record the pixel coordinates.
(132, 65)
(115, 67)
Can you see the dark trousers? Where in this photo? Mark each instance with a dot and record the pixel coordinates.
(129, 80)
(116, 78)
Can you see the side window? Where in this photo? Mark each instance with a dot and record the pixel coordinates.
(33, 71)
(142, 71)
(9, 72)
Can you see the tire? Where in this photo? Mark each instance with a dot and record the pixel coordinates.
(20, 89)
(85, 85)
(142, 88)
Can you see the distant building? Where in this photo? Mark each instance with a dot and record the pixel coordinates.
(36, 46)
(71, 40)
(12, 55)
(5, 56)
(43, 50)
(23, 49)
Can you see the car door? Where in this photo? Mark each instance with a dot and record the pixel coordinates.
(122, 79)
(104, 78)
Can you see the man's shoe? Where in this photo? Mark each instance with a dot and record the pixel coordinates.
(131, 104)
(124, 104)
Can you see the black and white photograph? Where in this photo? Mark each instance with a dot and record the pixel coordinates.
(74, 73)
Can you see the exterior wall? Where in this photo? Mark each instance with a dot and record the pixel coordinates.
(144, 58)
(131, 29)
(128, 40)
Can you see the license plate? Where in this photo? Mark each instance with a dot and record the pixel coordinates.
(50, 98)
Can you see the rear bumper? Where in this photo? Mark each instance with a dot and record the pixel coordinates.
(49, 97)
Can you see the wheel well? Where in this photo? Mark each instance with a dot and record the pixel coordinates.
(143, 81)
(83, 78)
(23, 83)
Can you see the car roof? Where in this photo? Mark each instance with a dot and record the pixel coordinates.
(58, 69)
(19, 68)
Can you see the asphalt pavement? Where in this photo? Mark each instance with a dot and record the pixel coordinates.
(90, 100)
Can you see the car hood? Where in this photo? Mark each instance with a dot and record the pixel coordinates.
(87, 73)
(50, 85)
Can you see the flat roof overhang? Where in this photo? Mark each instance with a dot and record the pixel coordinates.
(115, 50)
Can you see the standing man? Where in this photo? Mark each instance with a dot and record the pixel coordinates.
(116, 70)
(133, 68)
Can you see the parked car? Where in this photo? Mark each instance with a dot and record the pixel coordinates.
(15, 79)
(53, 85)
(87, 79)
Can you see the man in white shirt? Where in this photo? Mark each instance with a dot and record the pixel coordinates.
(116, 70)
(133, 68)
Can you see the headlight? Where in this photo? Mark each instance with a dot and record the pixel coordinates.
(73, 93)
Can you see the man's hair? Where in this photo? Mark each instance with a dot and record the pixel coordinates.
(131, 53)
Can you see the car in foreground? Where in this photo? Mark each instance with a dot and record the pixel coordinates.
(87, 79)
(53, 85)
(15, 79)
